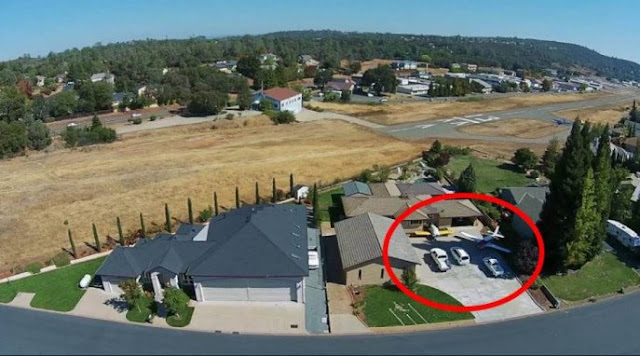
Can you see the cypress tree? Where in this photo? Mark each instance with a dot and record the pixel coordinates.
(291, 184)
(142, 227)
(315, 201)
(467, 180)
(215, 203)
(603, 188)
(95, 237)
(257, 194)
(73, 244)
(550, 157)
(586, 229)
(561, 205)
(120, 234)
(167, 217)
(274, 192)
(237, 198)
(190, 209)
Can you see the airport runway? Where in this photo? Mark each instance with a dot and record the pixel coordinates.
(448, 127)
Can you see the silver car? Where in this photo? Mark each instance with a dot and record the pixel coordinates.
(493, 266)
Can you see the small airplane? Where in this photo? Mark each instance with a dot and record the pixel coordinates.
(561, 122)
(486, 240)
(433, 231)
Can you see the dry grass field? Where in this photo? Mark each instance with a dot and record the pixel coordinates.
(602, 115)
(142, 171)
(521, 128)
(390, 114)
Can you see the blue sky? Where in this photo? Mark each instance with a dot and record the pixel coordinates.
(36, 27)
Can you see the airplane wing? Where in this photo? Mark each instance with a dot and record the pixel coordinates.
(496, 247)
(469, 236)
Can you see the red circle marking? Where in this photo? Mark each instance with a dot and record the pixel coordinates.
(457, 308)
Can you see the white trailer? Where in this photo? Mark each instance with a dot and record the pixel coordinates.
(623, 233)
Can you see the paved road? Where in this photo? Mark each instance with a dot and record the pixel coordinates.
(447, 127)
(609, 327)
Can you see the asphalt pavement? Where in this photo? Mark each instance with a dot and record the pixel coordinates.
(608, 327)
(448, 127)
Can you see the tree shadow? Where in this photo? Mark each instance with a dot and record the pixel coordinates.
(510, 167)
(117, 304)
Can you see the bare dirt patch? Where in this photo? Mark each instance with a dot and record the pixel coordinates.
(522, 128)
(389, 114)
(143, 170)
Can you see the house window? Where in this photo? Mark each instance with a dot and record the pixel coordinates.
(382, 273)
(359, 274)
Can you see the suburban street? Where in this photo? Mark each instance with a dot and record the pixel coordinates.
(608, 327)
(447, 127)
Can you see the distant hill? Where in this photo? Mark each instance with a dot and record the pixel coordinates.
(138, 61)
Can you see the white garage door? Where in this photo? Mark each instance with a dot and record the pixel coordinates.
(111, 288)
(222, 294)
(282, 294)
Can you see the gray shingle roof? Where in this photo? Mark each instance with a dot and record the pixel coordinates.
(515, 194)
(355, 187)
(531, 206)
(360, 240)
(420, 188)
(256, 241)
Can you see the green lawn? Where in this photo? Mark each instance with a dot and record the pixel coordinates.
(329, 204)
(490, 174)
(55, 290)
(184, 320)
(378, 301)
(606, 274)
(147, 306)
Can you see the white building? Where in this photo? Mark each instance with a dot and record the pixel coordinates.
(103, 77)
(404, 65)
(300, 192)
(282, 99)
(413, 89)
(40, 80)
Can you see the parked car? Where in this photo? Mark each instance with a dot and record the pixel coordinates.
(441, 259)
(494, 266)
(314, 261)
(460, 255)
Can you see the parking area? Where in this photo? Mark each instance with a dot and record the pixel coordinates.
(473, 284)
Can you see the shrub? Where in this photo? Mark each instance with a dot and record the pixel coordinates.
(152, 118)
(136, 121)
(526, 257)
(489, 209)
(229, 116)
(283, 117)
(409, 278)
(33, 267)
(61, 259)
(205, 214)
(456, 151)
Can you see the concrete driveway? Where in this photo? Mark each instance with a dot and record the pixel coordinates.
(472, 284)
(249, 317)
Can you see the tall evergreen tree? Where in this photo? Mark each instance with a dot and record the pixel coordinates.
(550, 157)
(167, 217)
(143, 229)
(274, 193)
(257, 194)
(291, 184)
(467, 180)
(603, 188)
(634, 115)
(120, 234)
(562, 202)
(586, 230)
(237, 198)
(215, 203)
(190, 210)
(315, 201)
(96, 238)
(73, 244)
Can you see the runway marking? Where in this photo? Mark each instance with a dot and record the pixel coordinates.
(425, 126)
(474, 115)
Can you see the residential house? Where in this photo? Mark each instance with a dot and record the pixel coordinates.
(360, 240)
(268, 61)
(468, 67)
(117, 99)
(338, 85)
(282, 99)
(103, 77)
(391, 199)
(404, 65)
(40, 80)
(528, 199)
(455, 66)
(254, 253)
(226, 66)
(141, 90)
(307, 61)
(300, 192)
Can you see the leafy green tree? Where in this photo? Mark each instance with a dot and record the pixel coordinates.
(382, 79)
(38, 136)
(467, 180)
(322, 77)
(207, 103)
(587, 227)
(244, 97)
(634, 115)
(14, 104)
(63, 104)
(345, 96)
(176, 301)
(550, 157)
(355, 66)
(132, 293)
(409, 278)
(621, 204)
(546, 85)
(525, 158)
(248, 66)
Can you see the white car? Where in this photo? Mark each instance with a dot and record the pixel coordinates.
(314, 261)
(494, 266)
(460, 255)
(441, 259)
